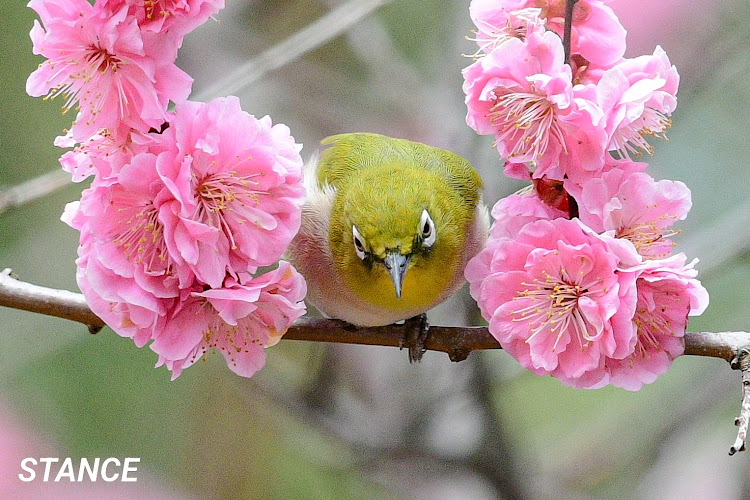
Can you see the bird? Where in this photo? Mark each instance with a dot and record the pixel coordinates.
(387, 228)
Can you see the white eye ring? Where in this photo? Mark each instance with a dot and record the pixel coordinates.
(359, 245)
(427, 229)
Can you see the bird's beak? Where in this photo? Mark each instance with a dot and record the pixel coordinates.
(396, 265)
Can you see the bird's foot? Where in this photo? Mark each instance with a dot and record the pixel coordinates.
(415, 333)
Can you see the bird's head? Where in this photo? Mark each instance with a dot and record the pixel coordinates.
(397, 235)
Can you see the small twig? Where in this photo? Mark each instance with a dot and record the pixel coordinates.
(312, 36)
(742, 362)
(568, 27)
(33, 189)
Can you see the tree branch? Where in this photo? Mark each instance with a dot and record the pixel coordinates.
(312, 36)
(457, 342)
(18, 294)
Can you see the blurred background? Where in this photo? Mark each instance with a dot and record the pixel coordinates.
(325, 421)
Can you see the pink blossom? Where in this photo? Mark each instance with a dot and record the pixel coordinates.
(576, 279)
(574, 184)
(240, 319)
(120, 302)
(638, 95)
(513, 212)
(123, 305)
(215, 182)
(510, 215)
(97, 60)
(497, 23)
(104, 153)
(516, 170)
(667, 294)
(596, 33)
(164, 23)
(125, 221)
(585, 138)
(522, 93)
(507, 68)
(559, 298)
(492, 16)
(236, 192)
(174, 17)
(635, 207)
(124, 269)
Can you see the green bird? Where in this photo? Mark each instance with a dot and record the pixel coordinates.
(387, 229)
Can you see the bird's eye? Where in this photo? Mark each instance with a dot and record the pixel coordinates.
(359, 247)
(428, 229)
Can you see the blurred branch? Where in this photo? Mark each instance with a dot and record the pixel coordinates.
(33, 189)
(314, 35)
(495, 457)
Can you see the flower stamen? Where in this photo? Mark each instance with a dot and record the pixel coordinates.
(226, 199)
(526, 122)
(551, 306)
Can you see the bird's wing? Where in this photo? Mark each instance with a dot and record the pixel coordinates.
(351, 152)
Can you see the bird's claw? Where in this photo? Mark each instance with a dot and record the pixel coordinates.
(415, 333)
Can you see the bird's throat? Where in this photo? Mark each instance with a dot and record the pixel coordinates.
(420, 288)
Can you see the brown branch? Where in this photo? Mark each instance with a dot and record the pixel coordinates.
(52, 302)
(568, 27)
(457, 342)
(724, 345)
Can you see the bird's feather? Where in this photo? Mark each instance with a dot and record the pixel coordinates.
(350, 152)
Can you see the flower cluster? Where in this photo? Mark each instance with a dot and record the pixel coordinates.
(186, 207)
(578, 279)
